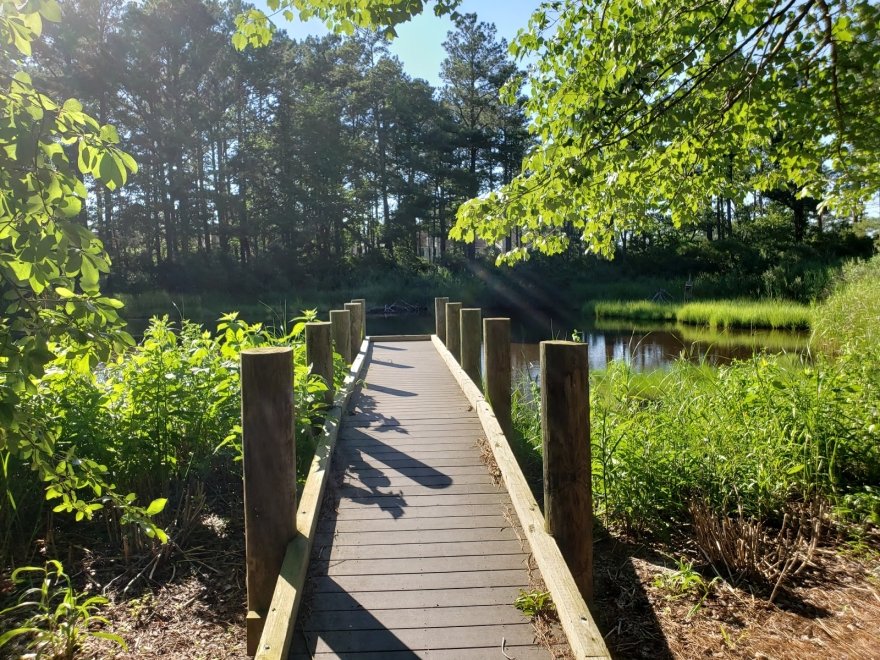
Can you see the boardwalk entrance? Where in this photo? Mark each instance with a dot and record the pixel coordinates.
(417, 553)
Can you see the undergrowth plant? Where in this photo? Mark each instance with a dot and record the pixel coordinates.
(760, 444)
(150, 422)
(53, 615)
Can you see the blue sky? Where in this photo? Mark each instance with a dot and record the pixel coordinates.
(420, 42)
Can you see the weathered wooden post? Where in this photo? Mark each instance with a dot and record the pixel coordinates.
(565, 420)
(319, 353)
(440, 317)
(363, 303)
(471, 338)
(340, 320)
(453, 329)
(357, 327)
(269, 475)
(496, 344)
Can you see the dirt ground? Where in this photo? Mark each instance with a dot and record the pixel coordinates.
(192, 607)
(831, 611)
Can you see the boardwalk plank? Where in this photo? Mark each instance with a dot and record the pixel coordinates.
(431, 598)
(394, 567)
(424, 617)
(494, 520)
(417, 639)
(420, 581)
(436, 536)
(419, 557)
(398, 550)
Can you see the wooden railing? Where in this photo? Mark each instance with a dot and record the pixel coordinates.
(279, 535)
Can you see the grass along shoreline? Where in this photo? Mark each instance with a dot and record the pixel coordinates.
(777, 451)
(720, 314)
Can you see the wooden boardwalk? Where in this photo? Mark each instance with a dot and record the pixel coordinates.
(417, 553)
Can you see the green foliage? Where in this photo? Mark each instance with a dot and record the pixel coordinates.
(749, 439)
(774, 314)
(756, 434)
(253, 27)
(58, 617)
(534, 603)
(156, 416)
(651, 110)
(721, 314)
(50, 264)
(685, 581)
(638, 310)
(850, 318)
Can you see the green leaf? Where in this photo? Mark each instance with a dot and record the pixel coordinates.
(156, 506)
(89, 276)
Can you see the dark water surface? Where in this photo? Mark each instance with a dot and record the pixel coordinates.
(645, 347)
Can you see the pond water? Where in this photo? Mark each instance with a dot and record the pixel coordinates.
(645, 347)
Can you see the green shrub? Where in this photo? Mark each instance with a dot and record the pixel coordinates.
(143, 426)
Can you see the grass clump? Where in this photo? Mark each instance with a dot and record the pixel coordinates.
(637, 310)
(775, 315)
(849, 320)
(716, 314)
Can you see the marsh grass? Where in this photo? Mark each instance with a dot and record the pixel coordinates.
(775, 314)
(749, 440)
(717, 314)
(850, 319)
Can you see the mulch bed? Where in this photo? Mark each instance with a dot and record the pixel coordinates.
(192, 606)
(832, 610)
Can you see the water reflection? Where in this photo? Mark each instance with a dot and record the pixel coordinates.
(647, 349)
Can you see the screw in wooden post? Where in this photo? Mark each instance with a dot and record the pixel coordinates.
(440, 318)
(357, 327)
(319, 354)
(340, 320)
(269, 464)
(471, 339)
(496, 344)
(363, 303)
(565, 420)
(453, 329)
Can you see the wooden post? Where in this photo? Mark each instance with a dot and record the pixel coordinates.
(319, 353)
(471, 338)
(340, 320)
(496, 344)
(357, 327)
(565, 420)
(269, 475)
(440, 317)
(453, 329)
(363, 303)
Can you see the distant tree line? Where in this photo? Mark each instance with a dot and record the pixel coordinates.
(278, 163)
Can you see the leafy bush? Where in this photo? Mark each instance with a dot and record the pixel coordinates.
(158, 416)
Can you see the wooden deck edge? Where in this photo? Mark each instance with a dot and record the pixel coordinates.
(583, 635)
(281, 617)
(375, 338)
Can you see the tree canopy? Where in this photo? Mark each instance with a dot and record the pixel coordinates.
(642, 108)
(254, 28)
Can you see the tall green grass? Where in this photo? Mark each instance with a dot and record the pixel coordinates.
(850, 318)
(776, 314)
(749, 439)
(717, 314)
(637, 310)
